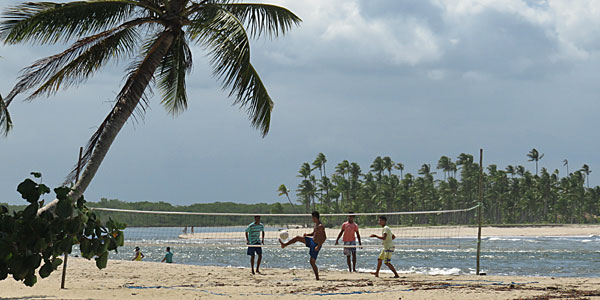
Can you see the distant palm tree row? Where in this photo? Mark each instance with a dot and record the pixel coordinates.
(511, 195)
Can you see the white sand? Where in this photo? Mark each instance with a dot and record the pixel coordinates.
(147, 280)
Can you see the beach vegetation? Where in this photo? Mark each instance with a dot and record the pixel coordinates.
(31, 242)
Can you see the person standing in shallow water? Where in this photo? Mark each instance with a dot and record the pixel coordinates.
(168, 256)
(349, 230)
(253, 232)
(314, 244)
(138, 256)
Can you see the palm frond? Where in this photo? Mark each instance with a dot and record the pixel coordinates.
(48, 22)
(260, 18)
(5, 120)
(76, 64)
(226, 40)
(171, 75)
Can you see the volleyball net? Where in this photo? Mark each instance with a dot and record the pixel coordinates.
(443, 228)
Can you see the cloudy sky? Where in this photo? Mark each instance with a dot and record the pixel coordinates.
(359, 78)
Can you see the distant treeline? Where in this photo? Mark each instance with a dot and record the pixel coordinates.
(511, 195)
(144, 220)
(166, 220)
(182, 220)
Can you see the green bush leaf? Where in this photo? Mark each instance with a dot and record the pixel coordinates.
(31, 210)
(43, 189)
(36, 174)
(34, 261)
(57, 262)
(80, 202)
(64, 208)
(102, 260)
(62, 192)
(3, 272)
(29, 191)
(30, 279)
(46, 270)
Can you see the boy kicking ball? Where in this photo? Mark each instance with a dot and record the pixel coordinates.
(388, 247)
(314, 243)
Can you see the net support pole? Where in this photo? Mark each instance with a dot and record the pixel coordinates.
(479, 211)
(64, 270)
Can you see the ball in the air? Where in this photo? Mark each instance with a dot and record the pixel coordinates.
(284, 235)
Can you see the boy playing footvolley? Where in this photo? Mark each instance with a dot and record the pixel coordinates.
(388, 247)
(349, 230)
(253, 237)
(314, 243)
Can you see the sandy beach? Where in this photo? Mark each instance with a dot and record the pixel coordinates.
(150, 280)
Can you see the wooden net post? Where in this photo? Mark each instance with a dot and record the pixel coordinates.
(64, 270)
(479, 208)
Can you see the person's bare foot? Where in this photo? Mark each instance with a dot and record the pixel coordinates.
(375, 273)
(354, 271)
(396, 276)
(258, 272)
(252, 272)
(282, 244)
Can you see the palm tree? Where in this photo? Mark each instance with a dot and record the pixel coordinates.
(511, 170)
(534, 155)
(400, 167)
(388, 165)
(452, 168)
(158, 33)
(377, 166)
(283, 190)
(319, 163)
(444, 164)
(566, 163)
(520, 170)
(304, 171)
(343, 168)
(586, 170)
(5, 121)
(426, 170)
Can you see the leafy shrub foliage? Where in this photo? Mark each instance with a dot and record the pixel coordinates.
(28, 239)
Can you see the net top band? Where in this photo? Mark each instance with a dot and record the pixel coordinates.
(282, 215)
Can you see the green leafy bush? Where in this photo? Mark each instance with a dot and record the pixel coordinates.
(28, 239)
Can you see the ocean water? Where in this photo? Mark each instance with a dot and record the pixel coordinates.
(522, 256)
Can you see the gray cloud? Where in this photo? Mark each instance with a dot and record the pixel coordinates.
(411, 79)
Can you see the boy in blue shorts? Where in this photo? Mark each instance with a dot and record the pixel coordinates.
(253, 237)
(314, 243)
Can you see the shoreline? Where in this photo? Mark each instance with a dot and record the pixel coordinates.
(151, 280)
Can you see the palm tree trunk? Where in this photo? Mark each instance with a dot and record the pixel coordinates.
(130, 97)
(290, 200)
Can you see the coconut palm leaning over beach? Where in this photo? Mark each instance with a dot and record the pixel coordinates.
(157, 33)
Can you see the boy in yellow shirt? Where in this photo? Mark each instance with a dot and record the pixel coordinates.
(388, 247)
